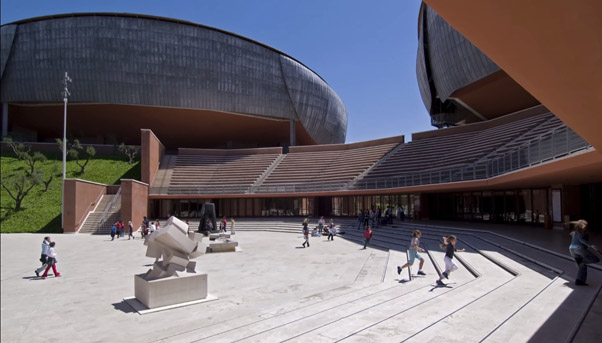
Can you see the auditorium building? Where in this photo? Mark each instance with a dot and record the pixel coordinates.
(224, 119)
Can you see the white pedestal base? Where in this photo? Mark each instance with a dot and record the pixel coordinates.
(172, 290)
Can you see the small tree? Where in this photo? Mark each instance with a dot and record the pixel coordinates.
(47, 182)
(74, 151)
(129, 150)
(18, 186)
(18, 148)
(23, 153)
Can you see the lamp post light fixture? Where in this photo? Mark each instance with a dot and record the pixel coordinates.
(66, 94)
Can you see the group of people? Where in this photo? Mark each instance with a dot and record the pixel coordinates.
(580, 248)
(146, 227)
(320, 230)
(118, 230)
(224, 225)
(48, 259)
(374, 217)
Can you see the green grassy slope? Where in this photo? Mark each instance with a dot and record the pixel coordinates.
(41, 211)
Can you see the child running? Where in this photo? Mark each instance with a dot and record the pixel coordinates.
(367, 236)
(414, 253)
(449, 243)
(332, 231)
(306, 232)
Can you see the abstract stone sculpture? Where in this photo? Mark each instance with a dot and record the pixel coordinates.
(173, 279)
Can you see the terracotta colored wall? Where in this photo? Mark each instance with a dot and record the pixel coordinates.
(134, 201)
(151, 154)
(80, 198)
(222, 152)
(334, 147)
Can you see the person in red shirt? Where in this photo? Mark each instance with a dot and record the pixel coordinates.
(224, 224)
(367, 236)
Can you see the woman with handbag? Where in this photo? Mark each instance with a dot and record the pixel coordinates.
(580, 251)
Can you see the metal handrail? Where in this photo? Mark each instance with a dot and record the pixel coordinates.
(558, 143)
(107, 208)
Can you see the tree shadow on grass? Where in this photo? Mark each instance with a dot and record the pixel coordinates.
(10, 210)
(53, 226)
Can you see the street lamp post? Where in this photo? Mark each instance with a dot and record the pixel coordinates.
(66, 81)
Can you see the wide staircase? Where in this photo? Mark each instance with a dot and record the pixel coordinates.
(452, 149)
(323, 167)
(104, 216)
(205, 173)
(505, 290)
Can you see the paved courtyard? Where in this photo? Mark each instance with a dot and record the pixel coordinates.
(274, 290)
(85, 303)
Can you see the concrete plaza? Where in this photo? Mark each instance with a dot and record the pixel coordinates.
(274, 290)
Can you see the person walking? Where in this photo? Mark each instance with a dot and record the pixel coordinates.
(321, 224)
(389, 215)
(121, 229)
(143, 230)
(44, 256)
(113, 231)
(580, 251)
(414, 253)
(449, 243)
(306, 233)
(332, 231)
(223, 224)
(367, 236)
(51, 262)
(366, 218)
(131, 228)
(360, 219)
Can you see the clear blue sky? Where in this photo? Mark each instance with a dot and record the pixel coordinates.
(366, 50)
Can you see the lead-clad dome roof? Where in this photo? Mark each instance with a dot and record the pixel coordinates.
(152, 61)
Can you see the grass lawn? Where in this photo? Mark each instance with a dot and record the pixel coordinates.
(41, 211)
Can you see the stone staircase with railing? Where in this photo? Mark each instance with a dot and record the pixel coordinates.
(95, 224)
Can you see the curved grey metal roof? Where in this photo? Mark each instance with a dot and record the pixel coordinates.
(145, 60)
(446, 58)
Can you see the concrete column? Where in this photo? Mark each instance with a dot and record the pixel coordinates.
(4, 119)
(292, 133)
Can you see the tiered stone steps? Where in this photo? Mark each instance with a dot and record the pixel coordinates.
(504, 291)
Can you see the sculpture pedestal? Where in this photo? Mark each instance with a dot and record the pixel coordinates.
(171, 290)
(223, 246)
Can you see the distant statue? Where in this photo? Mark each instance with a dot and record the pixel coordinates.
(208, 222)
